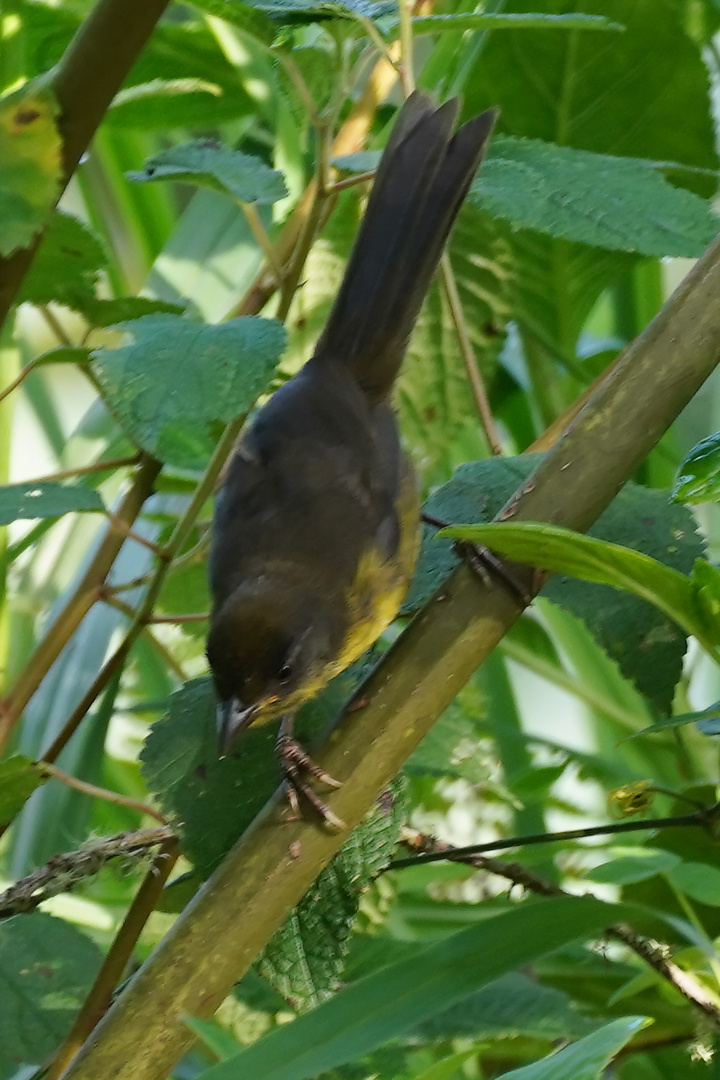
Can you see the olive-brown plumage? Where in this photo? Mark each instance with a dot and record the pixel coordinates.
(316, 522)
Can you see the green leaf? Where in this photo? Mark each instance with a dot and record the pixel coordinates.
(382, 1006)
(45, 499)
(586, 1059)
(30, 149)
(566, 193)
(19, 777)
(64, 354)
(205, 163)
(563, 551)
(698, 476)
(648, 647)
(219, 1041)
(176, 377)
(512, 1006)
(707, 720)
(305, 958)
(434, 24)
(126, 309)
(159, 103)
(699, 881)
(637, 865)
(67, 265)
(216, 799)
(46, 968)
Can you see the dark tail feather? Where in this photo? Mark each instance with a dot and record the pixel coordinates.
(423, 178)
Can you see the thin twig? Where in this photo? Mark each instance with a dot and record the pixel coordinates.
(55, 325)
(101, 793)
(475, 379)
(64, 871)
(704, 818)
(262, 239)
(122, 527)
(407, 61)
(383, 47)
(114, 964)
(651, 953)
(108, 465)
(351, 181)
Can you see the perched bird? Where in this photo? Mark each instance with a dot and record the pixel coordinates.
(315, 531)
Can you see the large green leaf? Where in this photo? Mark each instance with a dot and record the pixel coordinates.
(382, 1006)
(245, 178)
(45, 499)
(19, 777)
(177, 377)
(585, 557)
(67, 265)
(46, 969)
(30, 147)
(586, 1059)
(216, 799)
(648, 646)
(566, 192)
(606, 93)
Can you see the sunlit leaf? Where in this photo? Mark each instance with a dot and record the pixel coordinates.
(586, 1059)
(45, 499)
(30, 148)
(205, 163)
(19, 777)
(177, 376)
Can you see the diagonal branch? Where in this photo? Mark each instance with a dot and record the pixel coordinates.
(233, 917)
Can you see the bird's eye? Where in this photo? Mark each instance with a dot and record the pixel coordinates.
(285, 673)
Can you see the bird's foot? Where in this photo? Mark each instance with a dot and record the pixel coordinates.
(296, 764)
(484, 562)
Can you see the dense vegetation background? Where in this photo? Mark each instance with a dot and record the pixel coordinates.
(188, 270)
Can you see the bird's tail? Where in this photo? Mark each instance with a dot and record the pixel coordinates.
(423, 177)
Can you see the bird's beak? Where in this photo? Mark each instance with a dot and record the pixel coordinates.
(232, 719)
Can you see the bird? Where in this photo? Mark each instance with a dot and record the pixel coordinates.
(315, 530)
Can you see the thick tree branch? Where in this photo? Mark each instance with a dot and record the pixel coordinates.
(86, 80)
(215, 940)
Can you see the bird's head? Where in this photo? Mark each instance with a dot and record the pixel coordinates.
(270, 649)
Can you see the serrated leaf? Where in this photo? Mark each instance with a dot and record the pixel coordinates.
(382, 1006)
(44, 500)
(46, 968)
(301, 11)
(437, 24)
(620, 204)
(30, 152)
(177, 377)
(699, 881)
(638, 865)
(216, 799)
(304, 961)
(586, 1059)
(205, 163)
(19, 777)
(66, 267)
(648, 647)
(698, 475)
(241, 15)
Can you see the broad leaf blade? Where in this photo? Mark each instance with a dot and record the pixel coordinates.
(565, 193)
(177, 377)
(46, 969)
(19, 777)
(586, 1059)
(698, 476)
(245, 178)
(384, 1005)
(45, 499)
